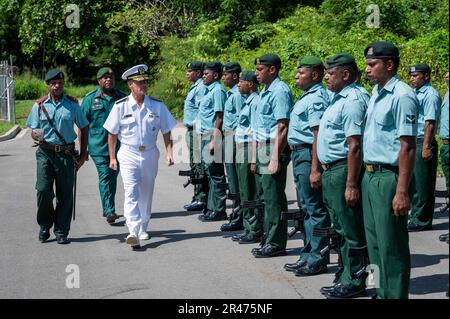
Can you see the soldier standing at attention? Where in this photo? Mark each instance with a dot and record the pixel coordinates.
(136, 120)
(52, 119)
(389, 153)
(194, 74)
(302, 138)
(424, 182)
(273, 153)
(233, 106)
(96, 106)
(339, 150)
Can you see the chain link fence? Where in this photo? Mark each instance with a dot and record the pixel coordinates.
(7, 106)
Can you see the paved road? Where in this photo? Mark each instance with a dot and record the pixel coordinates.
(184, 258)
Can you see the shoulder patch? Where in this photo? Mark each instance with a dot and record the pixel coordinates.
(73, 99)
(151, 97)
(90, 93)
(42, 100)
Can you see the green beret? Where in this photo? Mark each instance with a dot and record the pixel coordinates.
(248, 76)
(214, 66)
(339, 59)
(103, 71)
(269, 59)
(195, 66)
(381, 50)
(420, 67)
(232, 67)
(53, 74)
(309, 62)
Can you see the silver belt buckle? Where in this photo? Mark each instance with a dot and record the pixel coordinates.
(141, 148)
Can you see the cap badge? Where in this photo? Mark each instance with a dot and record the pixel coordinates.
(370, 51)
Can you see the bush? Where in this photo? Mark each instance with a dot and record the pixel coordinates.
(28, 88)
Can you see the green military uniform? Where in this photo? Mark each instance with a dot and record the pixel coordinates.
(392, 113)
(443, 134)
(424, 183)
(55, 167)
(232, 108)
(305, 115)
(96, 107)
(343, 118)
(275, 103)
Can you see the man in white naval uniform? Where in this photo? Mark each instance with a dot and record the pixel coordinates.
(136, 120)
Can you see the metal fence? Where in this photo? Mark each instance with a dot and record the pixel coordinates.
(7, 106)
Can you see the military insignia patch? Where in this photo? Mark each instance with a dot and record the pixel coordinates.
(258, 61)
(410, 119)
(370, 51)
(141, 70)
(413, 69)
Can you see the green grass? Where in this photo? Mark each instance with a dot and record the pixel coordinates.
(5, 127)
(23, 108)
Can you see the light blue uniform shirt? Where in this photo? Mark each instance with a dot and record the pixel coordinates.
(306, 114)
(365, 94)
(443, 133)
(196, 92)
(63, 114)
(232, 108)
(429, 103)
(392, 113)
(275, 104)
(343, 118)
(210, 104)
(246, 120)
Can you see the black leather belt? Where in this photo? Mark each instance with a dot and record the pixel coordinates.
(333, 164)
(445, 141)
(58, 148)
(298, 147)
(371, 168)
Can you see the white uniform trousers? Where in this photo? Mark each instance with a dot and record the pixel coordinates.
(138, 170)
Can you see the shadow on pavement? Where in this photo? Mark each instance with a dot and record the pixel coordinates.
(420, 260)
(429, 284)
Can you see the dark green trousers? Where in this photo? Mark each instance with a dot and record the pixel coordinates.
(271, 191)
(246, 182)
(216, 174)
(200, 190)
(424, 184)
(107, 183)
(310, 200)
(444, 162)
(386, 234)
(54, 169)
(348, 221)
(229, 152)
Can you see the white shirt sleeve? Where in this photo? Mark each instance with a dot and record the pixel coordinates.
(112, 123)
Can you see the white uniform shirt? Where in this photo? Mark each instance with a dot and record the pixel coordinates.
(139, 126)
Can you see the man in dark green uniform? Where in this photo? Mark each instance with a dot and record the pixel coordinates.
(232, 108)
(197, 90)
(424, 182)
(52, 119)
(96, 106)
(339, 150)
(389, 149)
(272, 153)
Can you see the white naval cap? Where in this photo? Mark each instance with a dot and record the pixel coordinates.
(137, 73)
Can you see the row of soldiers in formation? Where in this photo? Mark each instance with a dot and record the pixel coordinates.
(360, 162)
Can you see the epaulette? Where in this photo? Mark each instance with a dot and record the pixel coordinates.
(90, 93)
(155, 99)
(122, 100)
(40, 101)
(73, 99)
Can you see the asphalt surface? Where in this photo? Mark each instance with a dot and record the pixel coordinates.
(184, 258)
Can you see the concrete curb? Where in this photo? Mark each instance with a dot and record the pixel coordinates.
(10, 134)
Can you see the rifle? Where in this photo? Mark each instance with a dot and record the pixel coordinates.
(258, 208)
(334, 244)
(235, 197)
(299, 222)
(191, 178)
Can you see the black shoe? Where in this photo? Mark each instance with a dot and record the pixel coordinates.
(238, 236)
(268, 251)
(345, 292)
(44, 234)
(63, 240)
(192, 201)
(325, 290)
(294, 266)
(413, 227)
(194, 206)
(231, 226)
(215, 216)
(207, 213)
(311, 270)
(111, 218)
(444, 237)
(250, 239)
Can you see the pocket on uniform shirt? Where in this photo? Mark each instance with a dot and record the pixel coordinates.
(384, 120)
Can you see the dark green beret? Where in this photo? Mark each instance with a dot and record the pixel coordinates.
(339, 59)
(248, 76)
(232, 67)
(214, 65)
(103, 71)
(269, 59)
(53, 74)
(309, 62)
(381, 50)
(420, 67)
(195, 66)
